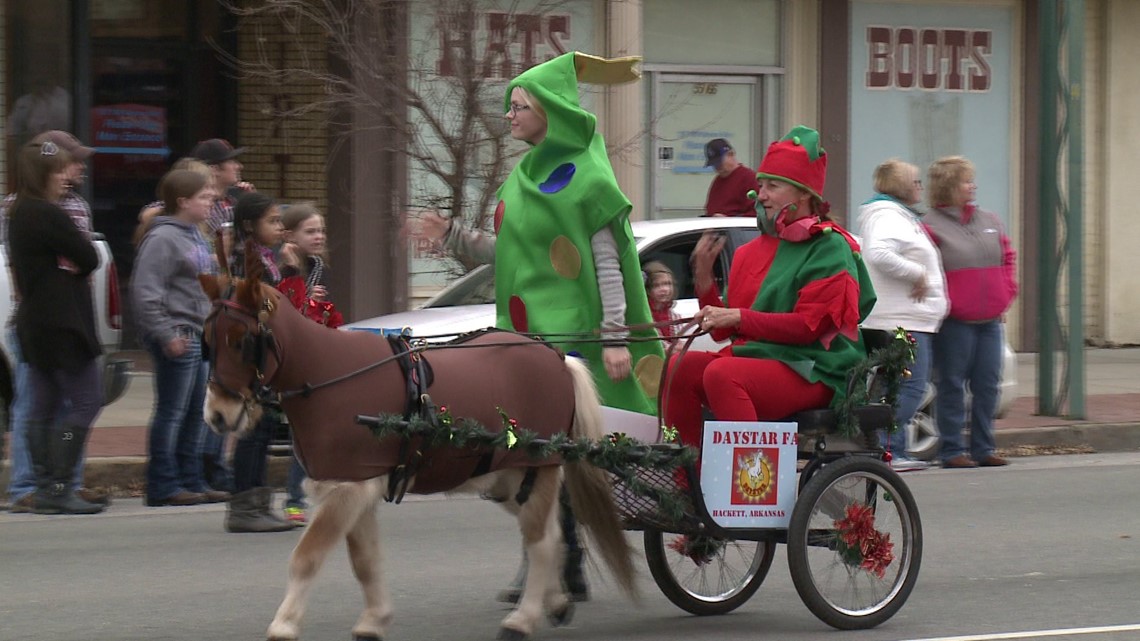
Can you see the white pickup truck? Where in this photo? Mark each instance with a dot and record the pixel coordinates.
(108, 324)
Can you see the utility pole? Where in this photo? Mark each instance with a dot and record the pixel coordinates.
(1061, 184)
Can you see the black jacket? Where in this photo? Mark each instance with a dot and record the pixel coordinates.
(55, 321)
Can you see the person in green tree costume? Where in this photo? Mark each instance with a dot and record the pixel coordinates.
(795, 298)
(564, 255)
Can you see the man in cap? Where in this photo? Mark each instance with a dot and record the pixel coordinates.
(22, 480)
(221, 156)
(728, 194)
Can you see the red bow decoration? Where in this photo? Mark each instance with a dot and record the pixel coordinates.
(323, 312)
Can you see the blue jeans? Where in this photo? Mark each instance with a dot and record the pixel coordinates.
(911, 392)
(177, 429)
(22, 480)
(967, 353)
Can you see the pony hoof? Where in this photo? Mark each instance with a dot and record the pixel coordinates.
(561, 617)
(510, 634)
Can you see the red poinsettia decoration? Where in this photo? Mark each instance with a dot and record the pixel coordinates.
(700, 549)
(860, 544)
(322, 312)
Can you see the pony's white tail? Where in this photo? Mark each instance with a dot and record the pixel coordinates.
(591, 495)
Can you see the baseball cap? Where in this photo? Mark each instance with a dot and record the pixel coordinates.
(215, 151)
(67, 142)
(715, 150)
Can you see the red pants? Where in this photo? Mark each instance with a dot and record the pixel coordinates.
(735, 388)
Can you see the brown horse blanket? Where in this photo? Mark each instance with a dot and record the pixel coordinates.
(526, 378)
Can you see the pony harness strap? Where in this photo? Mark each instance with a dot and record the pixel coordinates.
(418, 378)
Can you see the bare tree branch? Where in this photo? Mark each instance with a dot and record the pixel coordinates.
(446, 97)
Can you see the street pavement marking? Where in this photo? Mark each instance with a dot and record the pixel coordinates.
(1037, 634)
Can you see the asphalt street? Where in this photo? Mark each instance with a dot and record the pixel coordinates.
(1048, 548)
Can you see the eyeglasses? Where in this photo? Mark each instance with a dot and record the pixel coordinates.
(918, 183)
(516, 108)
(48, 148)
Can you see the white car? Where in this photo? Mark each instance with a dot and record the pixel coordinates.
(468, 303)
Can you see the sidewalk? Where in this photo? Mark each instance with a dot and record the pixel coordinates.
(117, 448)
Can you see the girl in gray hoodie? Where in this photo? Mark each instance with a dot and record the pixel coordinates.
(170, 307)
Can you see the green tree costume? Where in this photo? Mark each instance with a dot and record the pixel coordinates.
(561, 193)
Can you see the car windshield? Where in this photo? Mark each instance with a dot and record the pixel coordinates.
(477, 287)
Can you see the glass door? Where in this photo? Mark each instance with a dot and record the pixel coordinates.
(688, 111)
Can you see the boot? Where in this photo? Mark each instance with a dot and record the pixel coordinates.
(249, 511)
(573, 578)
(39, 450)
(54, 495)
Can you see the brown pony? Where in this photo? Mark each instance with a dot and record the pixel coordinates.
(258, 345)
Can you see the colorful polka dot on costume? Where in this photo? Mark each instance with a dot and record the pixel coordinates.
(558, 179)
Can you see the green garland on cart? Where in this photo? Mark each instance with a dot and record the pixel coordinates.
(889, 365)
(617, 453)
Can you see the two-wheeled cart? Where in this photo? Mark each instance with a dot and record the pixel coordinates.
(854, 537)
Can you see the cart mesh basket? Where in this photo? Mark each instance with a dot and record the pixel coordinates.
(648, 506)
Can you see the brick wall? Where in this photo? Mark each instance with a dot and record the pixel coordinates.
(287, 155)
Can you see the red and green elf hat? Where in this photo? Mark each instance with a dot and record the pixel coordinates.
(797, 158)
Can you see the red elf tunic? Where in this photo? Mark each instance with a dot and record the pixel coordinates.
(801, 297)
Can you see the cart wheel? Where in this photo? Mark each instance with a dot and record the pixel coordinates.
(826, 572)
(705, 575)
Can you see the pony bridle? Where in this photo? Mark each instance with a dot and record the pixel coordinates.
(257, 344)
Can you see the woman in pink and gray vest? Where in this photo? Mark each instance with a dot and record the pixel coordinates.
(979, 263)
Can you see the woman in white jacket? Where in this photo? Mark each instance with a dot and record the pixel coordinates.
(905, 268)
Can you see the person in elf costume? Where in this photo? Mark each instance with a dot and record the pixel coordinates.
(795, 297)
(566, 266)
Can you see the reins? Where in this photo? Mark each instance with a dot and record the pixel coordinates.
(592, 336)
(420, 344)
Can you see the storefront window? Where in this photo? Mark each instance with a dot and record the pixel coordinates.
(155, 89)
(931, 80)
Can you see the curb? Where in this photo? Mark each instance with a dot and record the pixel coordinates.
(1102, 437)
(129, 472)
